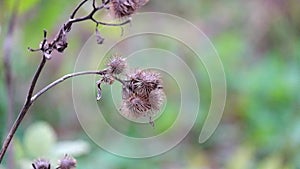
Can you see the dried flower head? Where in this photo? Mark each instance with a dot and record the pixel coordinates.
(142, 94)
(67, 162)
(156, 99)
(41, 164)
(143, 82)
(117, 65)
(125, 8)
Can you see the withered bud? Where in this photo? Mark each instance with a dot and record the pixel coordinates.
(125, 8)
(99, 38)
(117, 65)
(67, 162)
(41, 164)
(99, 90)
(108, 79)
(60, 46)
(46, 49)
(61, 43)
(142, 94)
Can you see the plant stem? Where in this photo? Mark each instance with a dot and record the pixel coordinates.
(62, 79)
(32, 99)
(23, 111)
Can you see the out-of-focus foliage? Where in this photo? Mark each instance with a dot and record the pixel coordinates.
(40, 141)
(258, 43)
(35, 145)
(23, 6)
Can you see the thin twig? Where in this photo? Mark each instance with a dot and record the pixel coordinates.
(120, 80)
(111, 24)
(94, 4)
(35, 78)
(77, 8)
(71, 21)
(62, 79)
(68, 25)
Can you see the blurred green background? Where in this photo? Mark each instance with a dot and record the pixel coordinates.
(259, 45)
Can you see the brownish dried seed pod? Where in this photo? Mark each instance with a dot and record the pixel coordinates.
(143, 82)
(125, 8)
(134, 107)
(142, 94)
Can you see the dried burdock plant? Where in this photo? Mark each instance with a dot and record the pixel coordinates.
(142, 94)
(41, 164)
(67, 162)
(117, 65)
(142, 91)
(125, 8)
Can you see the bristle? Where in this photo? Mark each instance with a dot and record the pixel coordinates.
(125, 8)
(142, 95)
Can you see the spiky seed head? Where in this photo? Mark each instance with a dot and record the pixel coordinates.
(142, 94)
(143, 82)
(125, 8)
(156, 99)
(41, 164)
(135, 107)
(117, 65)
(67, 162)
